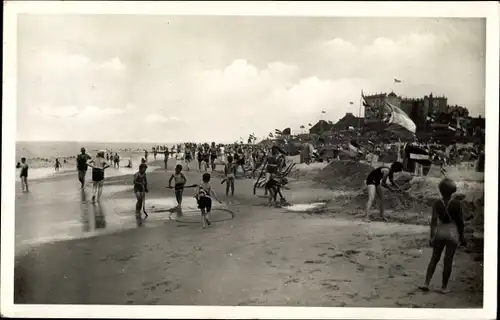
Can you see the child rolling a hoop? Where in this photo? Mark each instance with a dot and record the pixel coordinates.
(204, 196)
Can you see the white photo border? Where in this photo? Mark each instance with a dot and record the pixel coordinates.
(474, 9)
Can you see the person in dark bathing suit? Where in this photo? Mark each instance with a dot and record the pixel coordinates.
(446, 233)
(378, 179)
(180, 182)
(24, 174)
(57, 165)
(82, 166)
(140, 190)
(213, 155)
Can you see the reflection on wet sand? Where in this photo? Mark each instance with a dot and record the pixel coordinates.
(98, 211)
(99, 216)
(84, 211)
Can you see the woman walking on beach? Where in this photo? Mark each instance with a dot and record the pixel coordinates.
(140, 190)
(82, 165)
(180, 182)
(378, 179)
(98, 166)
(24, 174)
(446, 233)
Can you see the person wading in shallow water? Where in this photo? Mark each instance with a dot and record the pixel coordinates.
(82, 165)
(446, 233)
(140, 190)
(374, 183)
(98, 166)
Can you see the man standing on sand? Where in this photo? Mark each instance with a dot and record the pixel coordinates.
(82, 166)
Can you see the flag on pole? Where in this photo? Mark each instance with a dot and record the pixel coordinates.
(302, 127)
(323, 111)
(351, 102)
(397, 80)
(310, 125)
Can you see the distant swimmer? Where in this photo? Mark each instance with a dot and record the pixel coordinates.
(180, 181)
(57, 165)
(140, 190)
(378, 179)
(146, 153)
(82, 165)
(24, 174)
(446, 233)
(155, 152)
(98, 166)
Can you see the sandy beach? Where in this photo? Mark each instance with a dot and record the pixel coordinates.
(324, 257)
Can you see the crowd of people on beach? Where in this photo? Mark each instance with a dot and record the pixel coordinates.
(447, 224)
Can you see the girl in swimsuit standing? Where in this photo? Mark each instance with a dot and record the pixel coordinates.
(446, 233)
(378, 179)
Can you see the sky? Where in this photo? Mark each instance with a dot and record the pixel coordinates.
(186, 78)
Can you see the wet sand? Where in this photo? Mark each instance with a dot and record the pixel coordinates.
(264, 256)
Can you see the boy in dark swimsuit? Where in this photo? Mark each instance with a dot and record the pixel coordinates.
(446, 233)
(378, 179)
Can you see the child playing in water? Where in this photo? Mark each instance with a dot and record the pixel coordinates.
(229, 171)
(180, 182)
(378, 179)
(204, 198)
(446, 233)
(140, 190)
(24, 174)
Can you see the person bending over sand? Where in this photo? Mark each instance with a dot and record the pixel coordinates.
(378, 179)
(180, 182)
(446, 233)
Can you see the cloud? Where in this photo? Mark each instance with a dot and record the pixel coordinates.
(158, 118)
(114, 64)
(66, 112)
